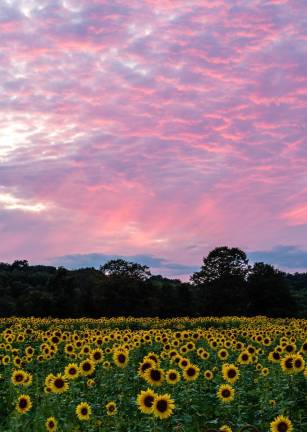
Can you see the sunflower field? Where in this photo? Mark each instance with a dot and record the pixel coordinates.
(149, 374)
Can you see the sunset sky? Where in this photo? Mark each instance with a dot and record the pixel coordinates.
(154, 130)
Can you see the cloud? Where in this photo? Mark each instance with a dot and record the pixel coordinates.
(151, 126)
(284, 256)
(162, 265)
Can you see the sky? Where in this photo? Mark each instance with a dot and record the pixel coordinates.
(154, 130)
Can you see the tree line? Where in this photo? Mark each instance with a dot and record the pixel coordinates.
(226, 284)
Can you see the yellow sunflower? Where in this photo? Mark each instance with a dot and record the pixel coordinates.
(191, 372)
(287, 364)
(298, 363)
(163, 406)
(226, 393)
(23, 404)
(71, 371)
(120, 358)
(83, 411)
(18, 377)
(172, 376)
(230, 373)
(87, 367)
(225, 428)
(51, 424)
(281, 424)
(59, 384)
(111, 408)
(154, 376)
(145, 401)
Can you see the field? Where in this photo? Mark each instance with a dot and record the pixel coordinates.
(146, 374)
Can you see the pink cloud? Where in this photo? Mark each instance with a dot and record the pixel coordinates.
(151, 126)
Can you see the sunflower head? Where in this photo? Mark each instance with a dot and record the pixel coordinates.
(225, 393)
(281, 424)
(145, 401)
(23, 404)
(163, 406)
(51, 424)
(83, 411)
(111, 408)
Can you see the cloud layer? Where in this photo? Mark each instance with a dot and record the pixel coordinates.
(156, 128)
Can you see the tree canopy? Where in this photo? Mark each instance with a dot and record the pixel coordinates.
(225, 285)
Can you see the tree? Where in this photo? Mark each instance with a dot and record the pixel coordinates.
(268, 292)
(20, 265)
(222, 262)
(120, 268)
(221, 282)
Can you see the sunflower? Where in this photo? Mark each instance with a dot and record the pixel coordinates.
(274, 357)
(208, 374)
(111, 408)
(23, 404)
(145, 401)
(18, 377)
(83, 411)
(172, 376)
(59, 384)
(230, 373)
(120, 358)
(287, 365)
(154, 376)
(191, 372)
(163, 406)
(146, 364)
(51, 424)
(225, 428)
(265, 371)
(281, 424)
(226, 393)
(244, 357)
(223, 354)
(71, 371)
(97, 355)
(87, 367)
(298, 363)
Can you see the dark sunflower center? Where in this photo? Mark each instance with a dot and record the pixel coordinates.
(289, 348)
(298, 363)
(232, 373)
(225, 393)
(111, 408)
(18, 377)
(172, 376)
(121, 358)
(162, 406)
(223, 354)
(84, 411)
(97, 356)
(155, 375)
(59, 383)
(148, 401)
(282, 427)
(51, 424)
(289, 363)
(23, 403)
(191, 372)
(184, 363)
(72, 371)
(86, 367)
(245, 357)
(145, 366)
(276, 356)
